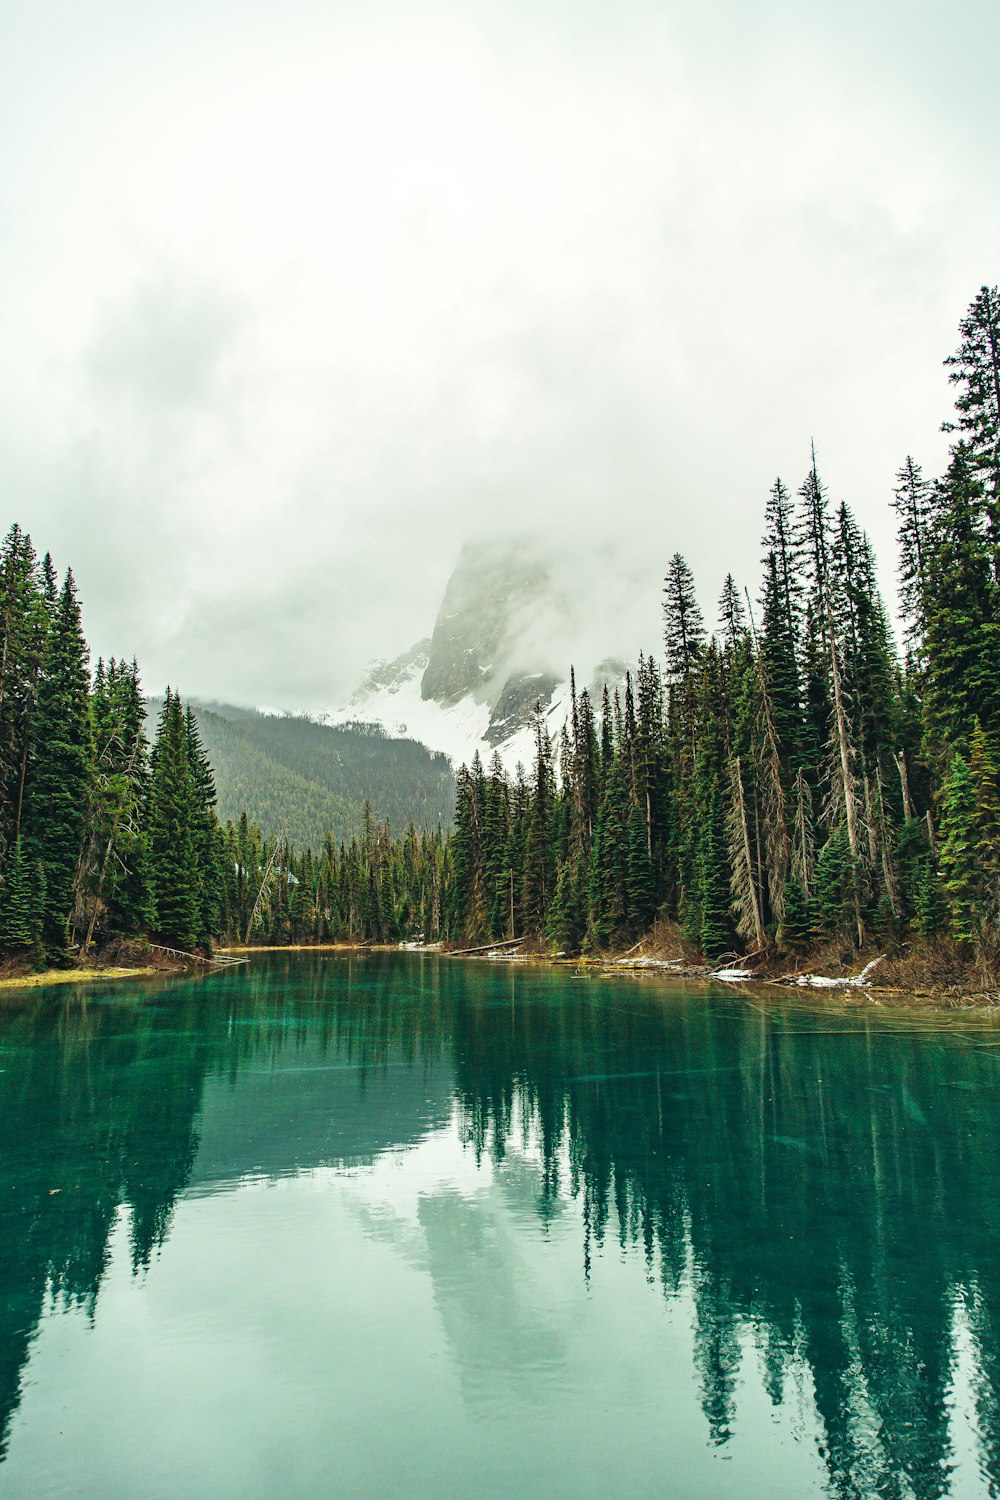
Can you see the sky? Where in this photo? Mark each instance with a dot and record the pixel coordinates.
(297, 298)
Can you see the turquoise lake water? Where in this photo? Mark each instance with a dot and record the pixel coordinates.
(392, 1225)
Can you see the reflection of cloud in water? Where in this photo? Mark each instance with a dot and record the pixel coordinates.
(463, 1232)
(497, 1328)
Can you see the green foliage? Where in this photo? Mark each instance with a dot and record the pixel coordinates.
(963, 883)
(173, 860)
(60, 766)
(833, 886)
(303, 780)
(18, 926)
(796, 923)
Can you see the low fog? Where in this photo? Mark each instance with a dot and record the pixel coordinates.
(298, 299)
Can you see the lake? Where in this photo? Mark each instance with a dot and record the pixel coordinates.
(387, 1225)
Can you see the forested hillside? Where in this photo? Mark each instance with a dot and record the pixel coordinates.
(303, 780)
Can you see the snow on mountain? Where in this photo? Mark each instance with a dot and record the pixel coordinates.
(473, 685)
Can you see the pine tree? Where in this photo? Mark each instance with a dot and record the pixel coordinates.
(796, 923)
(18, 928)
(732, 615)
(913, 502)
(780, 669)
(173, 862)
(24, 631)
(959, 861)
(539, 874)
(716, 931)
(961, 642)
(60, 769)
(203, 830)
(833, 900)
(814, 535)
(640, 888)
(781, 539)
(683, 624)
(975, 369)
(982, 768)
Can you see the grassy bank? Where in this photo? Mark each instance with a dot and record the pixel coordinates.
(88, 975)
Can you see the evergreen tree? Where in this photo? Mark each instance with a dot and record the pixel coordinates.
(538, 877)
(975, 369)
(796, 922)
(716, 932)
(959, 860)
(961, 634)
(732, 615)
(18, 928)
(781, 539)
(683, 624)
(982, 768)
(60, 769)
(913, 502)
(833, 900)
(204, 828)
(173, 862)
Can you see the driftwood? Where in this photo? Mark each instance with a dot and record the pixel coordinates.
(487, 948)
(197, 958)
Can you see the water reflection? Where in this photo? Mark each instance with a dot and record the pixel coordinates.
(827, 1192)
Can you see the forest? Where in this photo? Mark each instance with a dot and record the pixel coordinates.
(794, 778)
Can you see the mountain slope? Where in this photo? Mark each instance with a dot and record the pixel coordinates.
(303, 779)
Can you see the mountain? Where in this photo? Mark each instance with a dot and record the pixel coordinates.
(505, 635)
(303, 779)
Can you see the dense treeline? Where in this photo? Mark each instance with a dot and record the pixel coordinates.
(787, 779)
(99, 837)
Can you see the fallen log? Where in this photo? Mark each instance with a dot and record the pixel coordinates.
(197, 958)
(487, 948)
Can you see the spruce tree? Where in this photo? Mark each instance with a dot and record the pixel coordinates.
(982, 768)
(60, 769)
(716, 931)
(833, 900)
(683, 624)
(962, 648)
(539, 871)
(781, 538)
(203, 830)
(913, 503)
(18, 928)
(975, 369)
(173, 864)
(796, 922)
(732, 614)
(24, 630)
(959, 856)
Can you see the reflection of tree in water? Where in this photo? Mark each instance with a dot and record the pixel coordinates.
(99, 1107)
(96, 1111)
(832, 1194)
(829, 1200)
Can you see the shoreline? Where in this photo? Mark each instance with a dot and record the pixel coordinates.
(843, 988)
(811, 984)
(46, 977)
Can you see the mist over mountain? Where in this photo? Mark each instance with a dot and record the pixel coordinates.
(514, 618)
